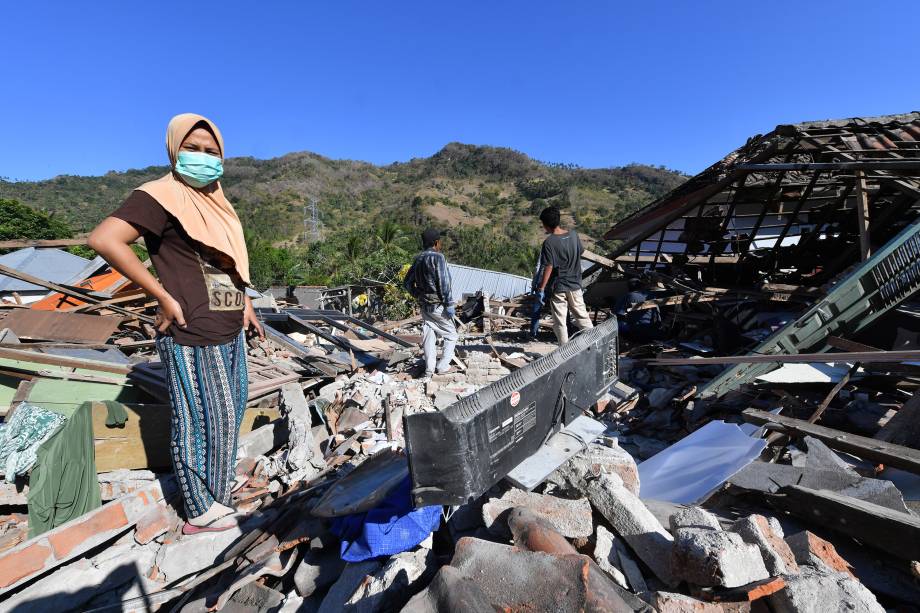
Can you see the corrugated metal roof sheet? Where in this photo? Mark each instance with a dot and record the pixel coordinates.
(468, 280)
(52, 265)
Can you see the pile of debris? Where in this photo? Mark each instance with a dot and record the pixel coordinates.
(757, 449)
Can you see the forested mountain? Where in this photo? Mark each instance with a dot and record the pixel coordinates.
(489, 196)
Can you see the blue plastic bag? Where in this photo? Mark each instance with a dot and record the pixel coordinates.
(391, 527)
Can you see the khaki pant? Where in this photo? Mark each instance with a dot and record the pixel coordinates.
(559, 304)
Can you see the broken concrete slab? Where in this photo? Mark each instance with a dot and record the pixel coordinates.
(635, 523)
(694, 517)
(822, 591)
(821, 457)
(352, 577)
(596, 460)
(671, 602)
(401, 577)
(716, 558)
(318, 569)
(811, 550)
(767, 477)
(767, 534)
(605, 554)
(570, 518)
(190, 554)
(76, 584)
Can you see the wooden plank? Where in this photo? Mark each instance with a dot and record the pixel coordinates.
(862, 215)
(861, 446)
(871, 524)
(58, 242)
(56, 360)
(595, 258)
(833, 394)
(31, 324)
(12, 272)
(795, 358)
(144, 440)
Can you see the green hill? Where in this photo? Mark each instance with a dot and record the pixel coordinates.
(487, 194)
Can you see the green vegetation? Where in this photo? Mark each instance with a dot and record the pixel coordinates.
(371, 216)
(17, 221)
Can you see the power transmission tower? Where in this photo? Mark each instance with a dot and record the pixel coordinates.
(310, 221)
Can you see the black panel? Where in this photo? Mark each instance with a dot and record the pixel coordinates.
(458, 453)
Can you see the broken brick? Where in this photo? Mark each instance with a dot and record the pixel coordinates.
(109, 518)
(812, 550)
(767, 534)
(152, 524)
(19, 564)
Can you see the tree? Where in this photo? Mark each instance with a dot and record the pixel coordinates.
(18, 221)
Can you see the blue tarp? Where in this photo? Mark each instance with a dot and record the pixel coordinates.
(391, 527)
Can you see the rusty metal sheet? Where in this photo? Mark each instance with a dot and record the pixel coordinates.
(63, 327)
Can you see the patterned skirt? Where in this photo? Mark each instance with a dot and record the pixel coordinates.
(207, 389)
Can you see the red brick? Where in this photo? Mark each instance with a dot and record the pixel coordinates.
(152, 524)
(106, 519)
(810, 549)
(18, 564)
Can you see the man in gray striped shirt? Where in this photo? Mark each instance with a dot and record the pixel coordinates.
(428, 280)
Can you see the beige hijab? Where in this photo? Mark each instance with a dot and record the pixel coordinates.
(206, 215)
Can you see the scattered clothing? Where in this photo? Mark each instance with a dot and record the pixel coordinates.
(428, 281)
(563, 253)
(391, 527)
(207, 389)
(560, 305)
(63, 485)
(437, 324)
(28, 427)
(116, 416)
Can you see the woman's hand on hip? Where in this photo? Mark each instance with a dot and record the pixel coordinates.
(169, 313)
(251, 320)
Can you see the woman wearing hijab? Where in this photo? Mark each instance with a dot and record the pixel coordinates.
(195, 241)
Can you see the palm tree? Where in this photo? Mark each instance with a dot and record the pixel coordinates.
(389, 236)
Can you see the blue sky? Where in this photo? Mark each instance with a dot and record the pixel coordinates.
(88, 87)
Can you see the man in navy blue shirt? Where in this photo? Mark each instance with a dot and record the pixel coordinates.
(428, 280)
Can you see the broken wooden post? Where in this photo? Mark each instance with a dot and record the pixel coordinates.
(862, 215)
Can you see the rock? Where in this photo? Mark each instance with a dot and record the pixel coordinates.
(605, 554)
(822, 591)
(635, 523)
(810, 549)
(318, 568)
(669, 602)
(449, 592)
(767, 534)
(348, 582)
(694, 517)
(255, 597)
(390, 587)
(599, 459)
(708, 557)
(570, 518)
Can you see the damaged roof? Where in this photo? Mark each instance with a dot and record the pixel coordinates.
(783, 206)
(52, 265)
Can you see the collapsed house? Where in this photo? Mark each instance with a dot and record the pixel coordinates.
(740, 431)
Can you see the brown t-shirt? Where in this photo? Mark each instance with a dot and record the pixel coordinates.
(201, 279)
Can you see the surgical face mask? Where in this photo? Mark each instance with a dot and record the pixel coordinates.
(199, 169)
